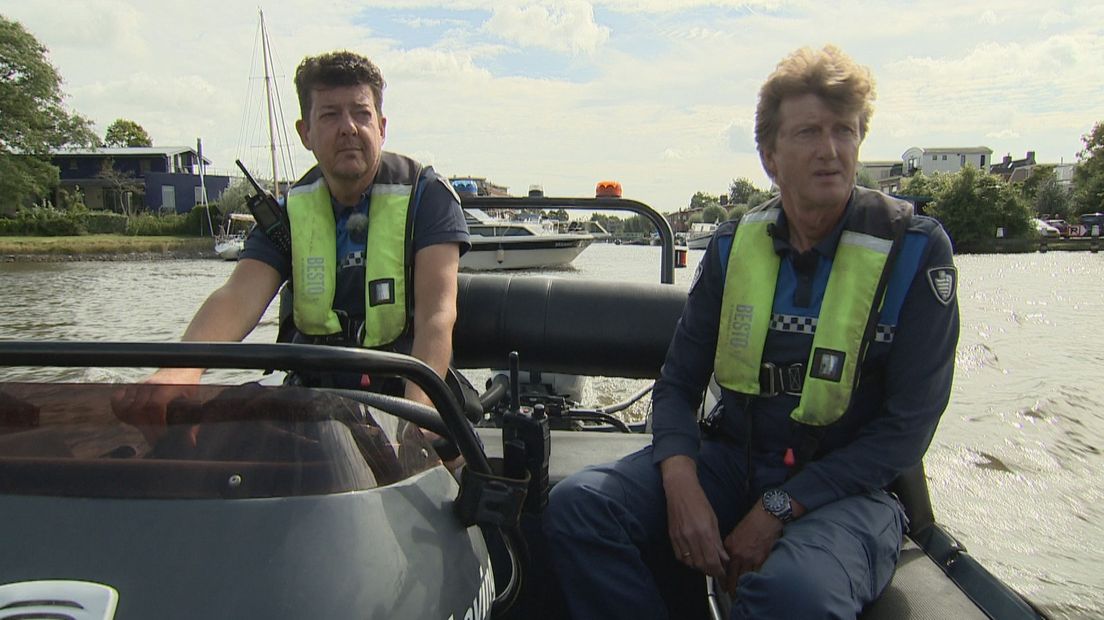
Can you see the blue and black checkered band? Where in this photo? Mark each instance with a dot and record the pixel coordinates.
(793, 324)
(353, 259)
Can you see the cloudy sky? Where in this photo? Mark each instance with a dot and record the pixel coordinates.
(658, 94)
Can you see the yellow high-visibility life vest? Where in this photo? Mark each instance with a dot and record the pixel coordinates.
(860, 270)
(387, 262)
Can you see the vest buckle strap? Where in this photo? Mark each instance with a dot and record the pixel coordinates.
(351, 334)
(775, 380)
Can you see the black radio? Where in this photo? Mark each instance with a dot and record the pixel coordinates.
(268, 213)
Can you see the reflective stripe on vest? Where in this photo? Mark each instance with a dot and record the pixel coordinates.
(838, 344)
(314, 261)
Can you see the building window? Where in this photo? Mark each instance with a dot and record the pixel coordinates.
(935, 157)
(982, 161)
(144, 166)
(72, 164)
(944, 158)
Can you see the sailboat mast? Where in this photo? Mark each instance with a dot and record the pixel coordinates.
(268, 99)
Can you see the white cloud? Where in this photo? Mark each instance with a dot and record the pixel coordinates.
(1054, 17)
(740, 135)
(429, 22)
(666, 107)
(558, 25)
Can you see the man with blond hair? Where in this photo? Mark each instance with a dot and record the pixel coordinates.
(828, 317)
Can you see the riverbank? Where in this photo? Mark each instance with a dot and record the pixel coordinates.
(103, 248)
(1024, 246)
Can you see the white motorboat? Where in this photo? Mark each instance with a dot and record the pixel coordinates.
(506, 244)
(697, 238)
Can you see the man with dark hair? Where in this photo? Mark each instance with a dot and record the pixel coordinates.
(337, 69)
(376, 241)
(827, 316)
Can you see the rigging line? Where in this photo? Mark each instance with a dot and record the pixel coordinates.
(285, 152)
(284, 140)
(244, 129)
(269, 84)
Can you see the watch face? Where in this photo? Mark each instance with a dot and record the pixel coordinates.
(776, 501)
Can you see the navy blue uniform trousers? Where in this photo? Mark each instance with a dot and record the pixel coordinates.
(606, 529)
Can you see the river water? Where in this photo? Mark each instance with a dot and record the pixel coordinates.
(1014, 468)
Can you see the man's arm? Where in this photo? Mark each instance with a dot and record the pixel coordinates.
(435, 272)
(228, 314)
(692, 524)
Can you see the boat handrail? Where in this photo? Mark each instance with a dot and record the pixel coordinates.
(666, 235)
(256, 357)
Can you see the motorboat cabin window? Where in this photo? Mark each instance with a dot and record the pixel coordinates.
(224, 442)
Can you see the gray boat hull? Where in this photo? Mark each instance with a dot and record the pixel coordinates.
(392, 552)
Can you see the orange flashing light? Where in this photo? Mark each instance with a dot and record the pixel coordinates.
(607, 189)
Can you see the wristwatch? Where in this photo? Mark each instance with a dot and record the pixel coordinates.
(777, 502)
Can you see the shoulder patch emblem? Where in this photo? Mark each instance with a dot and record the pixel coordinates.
(697, 275)
(943, 282)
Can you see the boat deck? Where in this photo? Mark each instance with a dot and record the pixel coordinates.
(920, 589)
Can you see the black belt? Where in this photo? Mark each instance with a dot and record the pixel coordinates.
(776, 380)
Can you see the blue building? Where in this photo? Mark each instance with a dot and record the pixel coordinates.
(157, 179)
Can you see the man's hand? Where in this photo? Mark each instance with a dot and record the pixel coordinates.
(691, 522)
(144, 405)
(750, 543)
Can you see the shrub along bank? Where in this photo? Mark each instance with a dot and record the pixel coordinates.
(50, 222)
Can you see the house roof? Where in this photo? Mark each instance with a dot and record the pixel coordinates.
(132, 151)
(959, 149)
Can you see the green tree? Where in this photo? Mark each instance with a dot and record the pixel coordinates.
(737, 211)
(758, 198)
(701, 200)
(972, 205)
(639, 224)
(922, 185)
(1040, 175)
(1088, 176)
(124, 189)
(612, 223)
(124, 132)
(741, 190)
(714, 213)
(1051, 199)
(233, 197)
(33, 118)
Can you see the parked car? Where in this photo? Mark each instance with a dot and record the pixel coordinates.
(1061, 225)
(1044, 229)
(1088, 220)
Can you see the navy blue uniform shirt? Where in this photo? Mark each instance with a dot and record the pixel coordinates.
(905, 379)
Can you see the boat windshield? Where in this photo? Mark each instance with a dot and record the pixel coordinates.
(249, 441)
